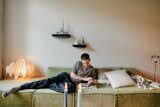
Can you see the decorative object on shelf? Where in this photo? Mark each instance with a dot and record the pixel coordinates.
(156, 60)
(65, 94)
(79, 98)
(62, 33)
(80, 43)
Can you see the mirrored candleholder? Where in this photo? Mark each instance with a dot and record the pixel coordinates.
(156, 60)
(65, 94)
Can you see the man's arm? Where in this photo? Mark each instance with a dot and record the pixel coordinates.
(93, 75)
(75, 76)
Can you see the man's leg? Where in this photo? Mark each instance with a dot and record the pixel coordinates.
(31, 85)
(60, 79)
(45, 83)
(36, 84)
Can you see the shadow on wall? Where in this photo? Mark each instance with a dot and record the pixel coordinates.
(147, 75)
(72, 39)
(20, 22)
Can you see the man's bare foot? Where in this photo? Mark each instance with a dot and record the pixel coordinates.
(7, 92)
(4, 94)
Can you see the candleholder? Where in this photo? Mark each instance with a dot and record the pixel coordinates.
(65, 94)
(156, 60)
(79, 98)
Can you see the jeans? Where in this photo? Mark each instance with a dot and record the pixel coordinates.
(54, 83)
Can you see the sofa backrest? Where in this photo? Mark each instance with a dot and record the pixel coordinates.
(53, 71)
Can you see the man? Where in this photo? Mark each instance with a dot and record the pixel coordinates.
(83, 72)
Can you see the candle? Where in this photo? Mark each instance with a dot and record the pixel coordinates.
(79, 95)
(65, 94)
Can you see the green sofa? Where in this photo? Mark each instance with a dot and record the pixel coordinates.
(104, 96)
(32, 97)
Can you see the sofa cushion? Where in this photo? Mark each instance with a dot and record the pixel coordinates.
(53, 71)
(20, 99)
(138, 100)
(50, 98)
(123, 90)
(96, 100)
(119, 78)
(101, 71)
(32, 97)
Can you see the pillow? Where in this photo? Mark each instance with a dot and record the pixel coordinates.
(102, 79)
(102, 76)
(119, 78)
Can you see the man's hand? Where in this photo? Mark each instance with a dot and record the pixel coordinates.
(92, 82)
(87, 79)
(75, 76)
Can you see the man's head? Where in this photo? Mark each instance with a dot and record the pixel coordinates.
(85, 59)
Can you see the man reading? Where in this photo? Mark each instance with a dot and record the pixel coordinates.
(83, 72)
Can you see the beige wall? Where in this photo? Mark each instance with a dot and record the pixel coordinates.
(1, 38)
(120, 32)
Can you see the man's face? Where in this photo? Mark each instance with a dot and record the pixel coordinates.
(86, 63)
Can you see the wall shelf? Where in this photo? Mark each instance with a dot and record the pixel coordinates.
(61, 35)
(79, 46)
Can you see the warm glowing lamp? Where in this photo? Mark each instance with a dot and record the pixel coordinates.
(22, 69)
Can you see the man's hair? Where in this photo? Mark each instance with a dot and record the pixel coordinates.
(85, 56)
